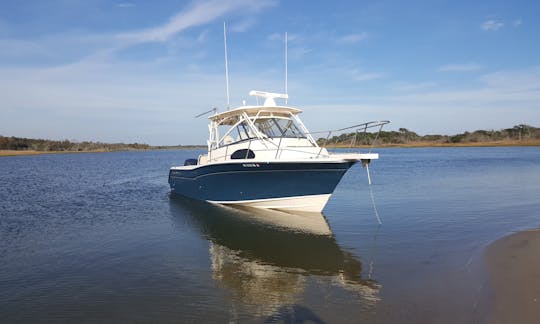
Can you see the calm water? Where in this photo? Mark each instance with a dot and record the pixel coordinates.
(98, 237)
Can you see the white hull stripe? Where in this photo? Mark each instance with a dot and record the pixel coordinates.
(310, 203)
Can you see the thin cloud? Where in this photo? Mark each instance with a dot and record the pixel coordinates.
(412, 86)
(467, 67)
(83, 47)
(298, 52)
(353, 38)
(275, 37)
(492, 25)
(501, 99)
(517, 22)
(15, 48)
(243, 25)
(202, 36)
(297, 48)
(125, 5)
(197, 14)
(281, 37)
(365, 76)
(516, 80)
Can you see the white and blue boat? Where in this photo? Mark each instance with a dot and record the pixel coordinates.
(263, 156)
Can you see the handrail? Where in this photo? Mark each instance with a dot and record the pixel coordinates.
(359, 127)
(366, 126)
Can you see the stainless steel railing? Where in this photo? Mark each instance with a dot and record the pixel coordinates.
(352, 137)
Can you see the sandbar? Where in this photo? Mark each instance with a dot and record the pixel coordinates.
(513, 264)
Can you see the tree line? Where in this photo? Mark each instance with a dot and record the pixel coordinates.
(517, 133)
(23, 144)
(520, 132)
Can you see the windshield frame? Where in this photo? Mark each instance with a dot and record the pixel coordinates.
(279, 127)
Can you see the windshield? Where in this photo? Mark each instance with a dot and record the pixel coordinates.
(279, 127)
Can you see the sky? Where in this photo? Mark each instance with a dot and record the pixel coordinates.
(139, 71)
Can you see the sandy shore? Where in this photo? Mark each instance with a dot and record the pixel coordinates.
(17, 153)
(513, 263)
(32, 152)
(533, 142)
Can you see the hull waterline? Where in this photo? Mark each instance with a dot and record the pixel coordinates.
(303, 186)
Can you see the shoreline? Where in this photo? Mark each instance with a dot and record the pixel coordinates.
(34, 152)
(437, 144)
(513, 267)
(406, 145)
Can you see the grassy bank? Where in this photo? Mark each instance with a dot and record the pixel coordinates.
(406, 145)
(534, 142)
(34, 152)
(37, 152)
(519, 135)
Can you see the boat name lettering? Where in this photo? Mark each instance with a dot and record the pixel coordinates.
(250, 165)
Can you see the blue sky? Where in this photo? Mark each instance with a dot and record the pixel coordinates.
(138, 71)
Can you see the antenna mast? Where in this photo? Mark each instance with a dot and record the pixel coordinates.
(286, 68)
(226, 64)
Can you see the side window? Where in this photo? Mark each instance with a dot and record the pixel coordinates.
(240, 132)
(243, 154)
(244, 132)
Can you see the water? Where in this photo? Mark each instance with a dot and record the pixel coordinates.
(98, 237)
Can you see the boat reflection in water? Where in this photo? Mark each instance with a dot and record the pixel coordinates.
(265, 257)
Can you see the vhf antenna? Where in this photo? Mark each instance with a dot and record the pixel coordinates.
(226, 64)
(286, 68)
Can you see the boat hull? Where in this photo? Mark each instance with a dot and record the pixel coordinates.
(275, 185)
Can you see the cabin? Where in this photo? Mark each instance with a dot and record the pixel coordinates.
(265, 133)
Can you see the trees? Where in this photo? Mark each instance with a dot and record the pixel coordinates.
(21, 144)
(403, 136)
(521, 132)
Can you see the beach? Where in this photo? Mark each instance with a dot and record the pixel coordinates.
(34, 152)
(21, 152)
(513, 265)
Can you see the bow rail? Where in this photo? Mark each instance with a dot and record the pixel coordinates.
(340, 138)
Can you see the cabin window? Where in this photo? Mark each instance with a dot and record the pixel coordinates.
(279, 127)
(243, 154)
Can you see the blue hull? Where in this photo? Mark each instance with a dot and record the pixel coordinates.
(251, 181)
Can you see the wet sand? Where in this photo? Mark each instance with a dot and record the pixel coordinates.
(513, 263)
(33, 152)
(17, 153)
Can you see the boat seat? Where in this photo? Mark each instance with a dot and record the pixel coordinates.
(203, 159)
(228, 140)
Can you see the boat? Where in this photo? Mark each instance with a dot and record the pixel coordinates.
(263, 156)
